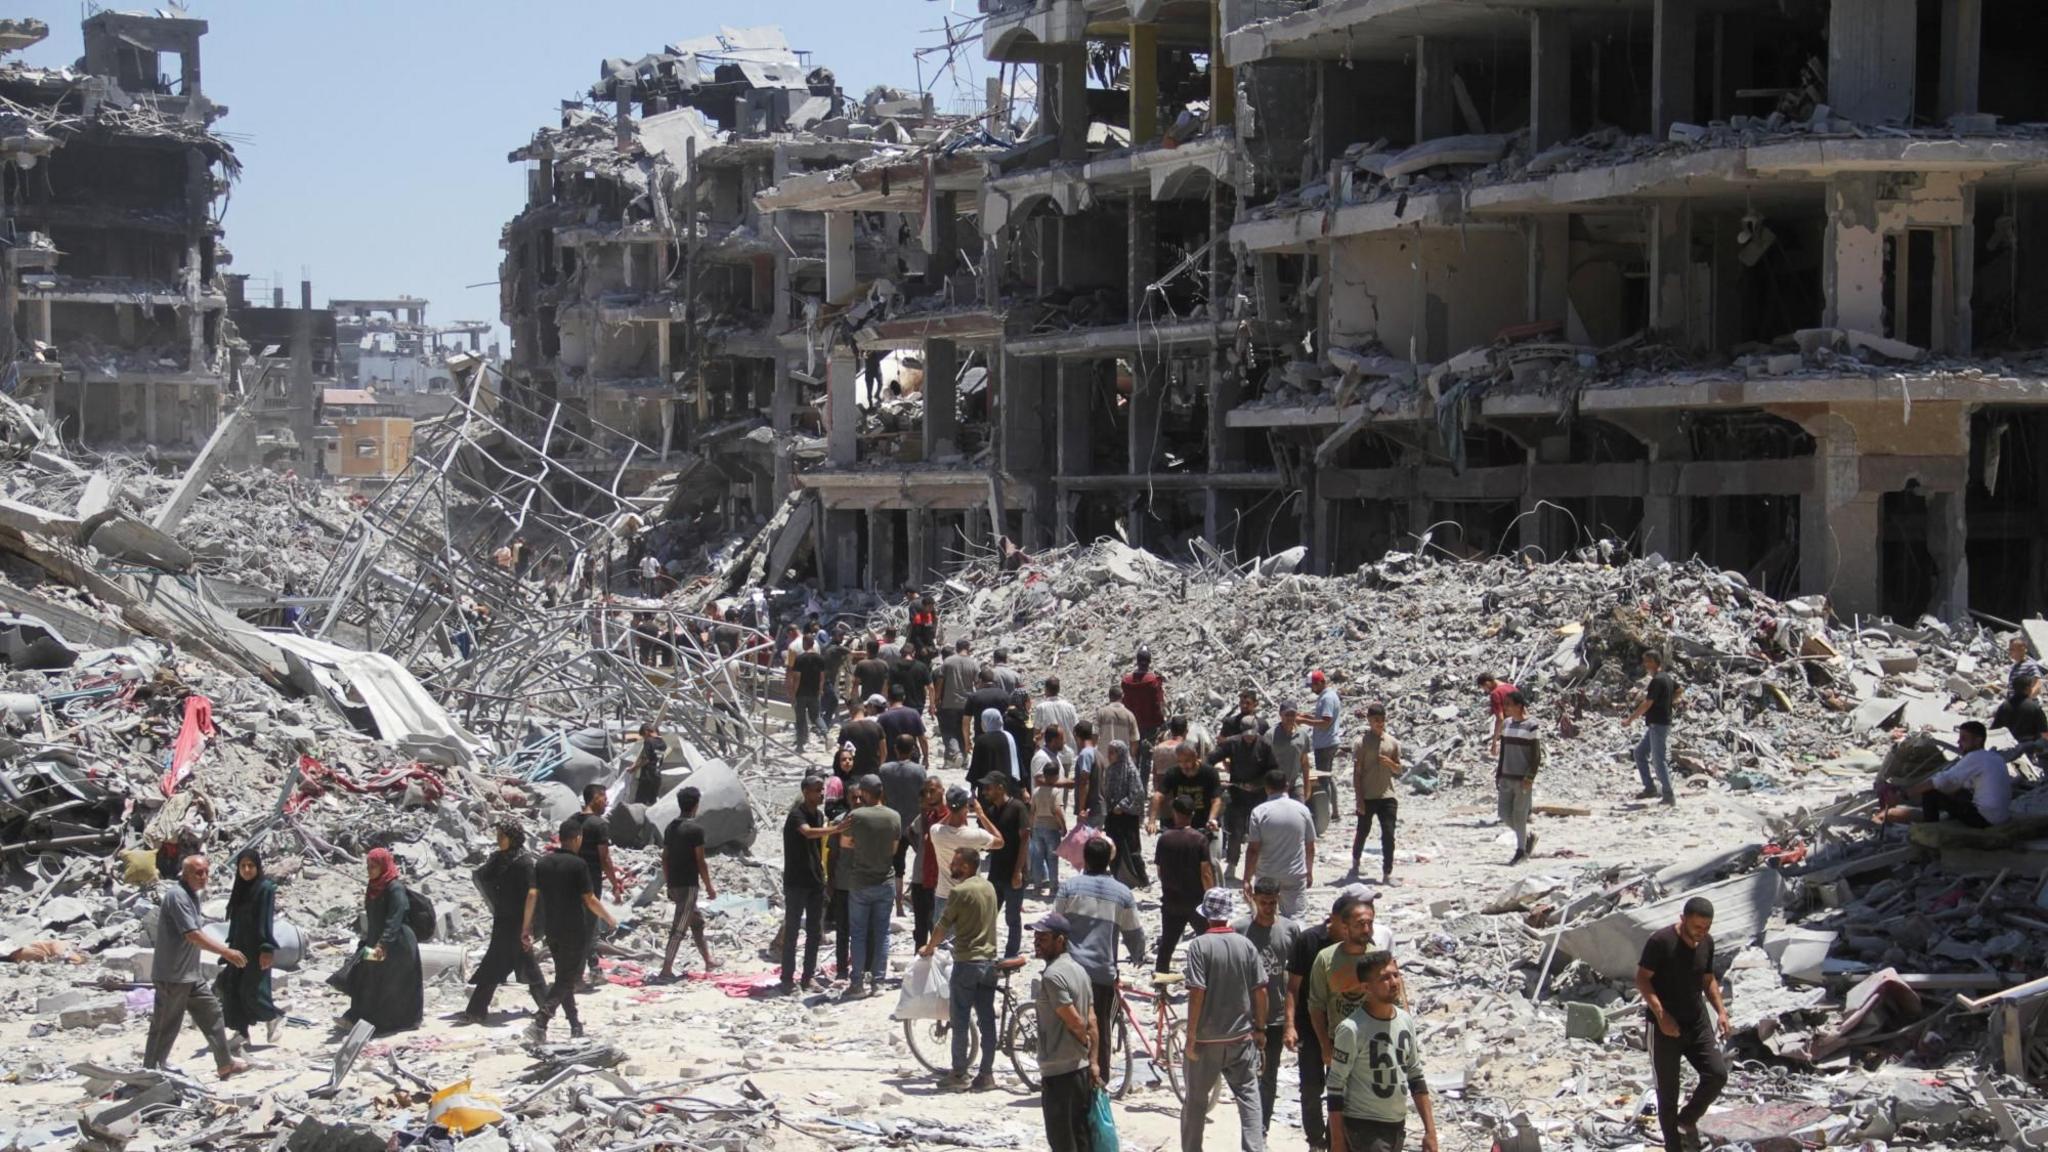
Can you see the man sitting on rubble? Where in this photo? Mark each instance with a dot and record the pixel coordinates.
(1975, 791)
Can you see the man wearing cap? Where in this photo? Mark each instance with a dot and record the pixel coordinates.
(1355, 934)
(1274, 936)
(970, 919)
(1325, 730)
(1375, 1052)
(1227, 1012)
(1281, 845)
(1246, 759)
(1098, 908)
(955, 834)
(1975, 791)
(1675, 978)
(1067, 1037)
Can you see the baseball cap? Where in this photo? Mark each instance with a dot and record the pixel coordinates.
(1052, 922)
(877, 701)
(958, 797)
(1317, 677)
(1364, 893)
(1219, 904)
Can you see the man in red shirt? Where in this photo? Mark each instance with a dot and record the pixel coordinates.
(1145, 696)
(1497, 693)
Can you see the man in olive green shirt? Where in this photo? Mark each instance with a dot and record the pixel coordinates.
(1357, 935)
(970, 919)
(1374, 764)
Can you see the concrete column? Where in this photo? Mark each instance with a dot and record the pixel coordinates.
(941, 406)
(1075, 394)
(1220, 517)
(1852, 256)
(1550, 77)
(1838, 522)
(945, 231)
(917, 529)
(1963, 271)
(842, 414)
(1142, 254)
(1670, 235)
(1948, 539)
(1322, 527)
(1226, 391)
(1962, 54)
(1549, 243)
(881, 576)
(1144, 83)
(1148, 393)
(149, 434)
(1222, 78)
(1436, 102)
(1871, 46)
(1070, 102)
(839, 268)
(841, 561)
(1674, 35)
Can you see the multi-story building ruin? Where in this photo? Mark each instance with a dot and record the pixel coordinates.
(1745, 280)
(112, 171)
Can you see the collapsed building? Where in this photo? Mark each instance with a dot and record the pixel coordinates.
(112, 284)
(1737, 280)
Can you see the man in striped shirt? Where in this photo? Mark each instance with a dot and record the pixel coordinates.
(1514, 776)
(1098, 908)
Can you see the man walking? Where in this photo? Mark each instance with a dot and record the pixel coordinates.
(1274, 936)
(806, 684)
(1052, 710)
(1145, 697)
(803, 880)
(1248, 760)
(1497, 691)
(1067, 1037)
(179, 987)
(1514, 778)
(970, 920)
(687, 874)
(1675, 978)
(1326, 730)
(957, 676)
(1311, 1058)
(1226, 1018)
(1659, 693)
(1281, 845)
(1353, 933)
(1112, 722)
(871, 834)
(1185, 874)
(1007, 858)
(562, 889)
(595, 850)
(1098, 908)
(1374, 765)
(1287, 745)
(1375, 1053)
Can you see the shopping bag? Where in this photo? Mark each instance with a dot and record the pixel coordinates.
(1076, 840)
(927, 992)
(1101, 1124)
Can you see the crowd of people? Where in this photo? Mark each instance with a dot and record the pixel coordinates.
(955, 795)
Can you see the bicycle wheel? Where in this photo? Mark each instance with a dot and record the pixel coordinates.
(1121, 1059)
(1020, 1040)
(1173, 1051)
(931, 1042)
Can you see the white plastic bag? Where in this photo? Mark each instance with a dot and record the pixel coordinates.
(927, 990)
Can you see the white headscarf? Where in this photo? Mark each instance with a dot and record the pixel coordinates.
(992, 721)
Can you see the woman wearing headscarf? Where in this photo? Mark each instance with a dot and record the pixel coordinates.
(244, 992)
(994, 751)
(384, 987)
(1118, 808)
(504, 880)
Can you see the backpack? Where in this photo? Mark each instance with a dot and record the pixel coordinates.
(419, 914)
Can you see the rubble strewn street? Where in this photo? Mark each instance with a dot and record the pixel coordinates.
(958, 545)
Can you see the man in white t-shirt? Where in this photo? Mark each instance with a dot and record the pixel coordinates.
(956, 834)
(1976, 790)
(1281, 841)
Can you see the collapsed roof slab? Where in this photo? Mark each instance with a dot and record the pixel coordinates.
(1303, 229)
(1095, 343)
(898, 488)
(1172, 173)
(1012, 197)
(960, 325)
(1176, 481)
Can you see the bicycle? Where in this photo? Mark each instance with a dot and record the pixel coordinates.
(1016, 1032)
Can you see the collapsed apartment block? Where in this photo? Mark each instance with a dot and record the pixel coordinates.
(112, 283)
(656, 311)
(1744, 280)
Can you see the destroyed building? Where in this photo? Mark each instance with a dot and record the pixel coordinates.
(655, 308)
(112, 285)
(1742, 280)
(387, 346)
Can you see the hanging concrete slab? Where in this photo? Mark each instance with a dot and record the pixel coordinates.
(1612, 944)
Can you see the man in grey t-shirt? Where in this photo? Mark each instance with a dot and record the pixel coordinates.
(1227, 1014)
(1274, 936)
(1281, 841)
(179, 984)
(1066, 1036)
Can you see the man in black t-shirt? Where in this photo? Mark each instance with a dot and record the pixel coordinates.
(1181, 856)
(1012, 820)
(913, 674)
(866, 734)
(1676, 980)
(806, 684)
(684, 869)
(1199, 782)
(647, 767)
(1659, 693)
(871, 676)
(803, 880)
(562, 891)
(835, 655)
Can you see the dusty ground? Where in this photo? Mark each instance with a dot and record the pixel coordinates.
(821, 1059)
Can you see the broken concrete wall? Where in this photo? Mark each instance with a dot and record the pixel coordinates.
(1427, 295)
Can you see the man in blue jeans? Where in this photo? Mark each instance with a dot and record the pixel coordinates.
(970, 919)
(1659, 693)
(1011, 819)
(867, 845)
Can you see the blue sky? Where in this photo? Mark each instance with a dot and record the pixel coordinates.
(374, 133)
